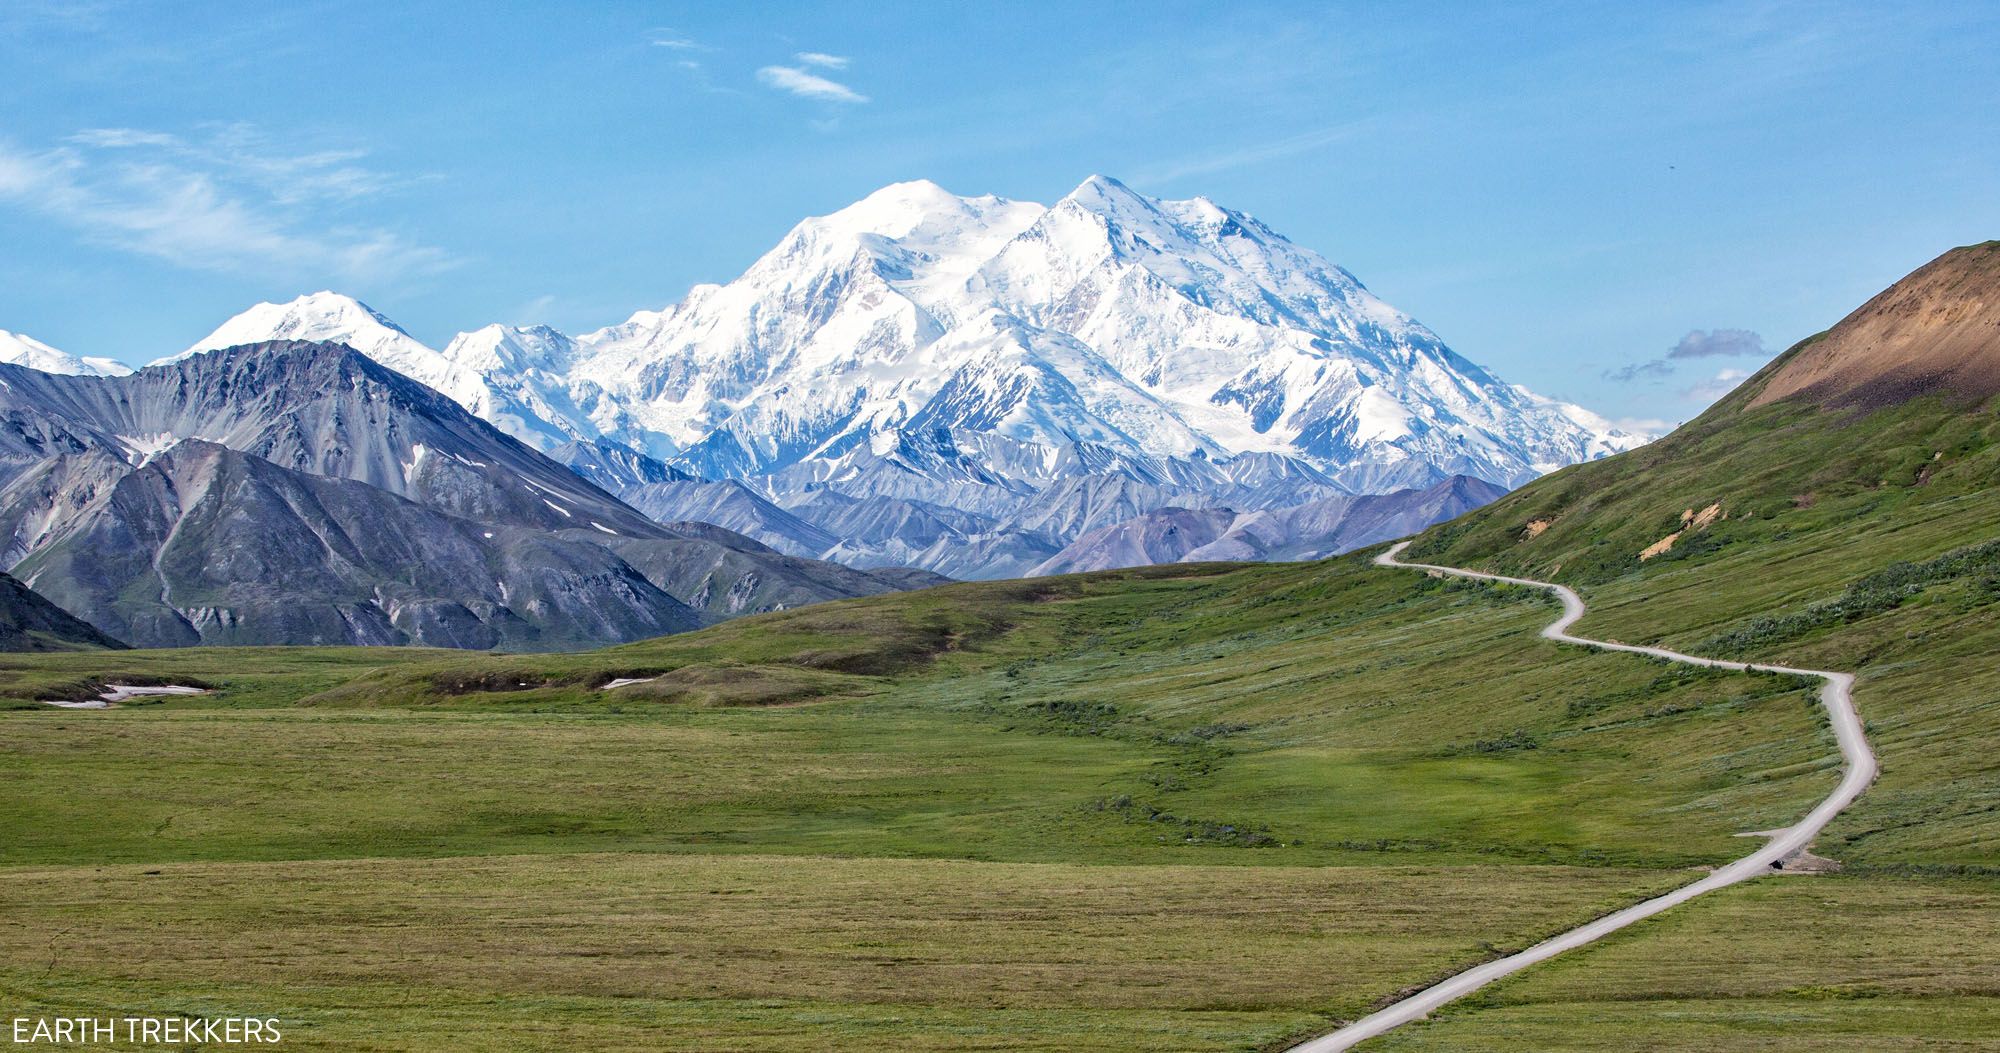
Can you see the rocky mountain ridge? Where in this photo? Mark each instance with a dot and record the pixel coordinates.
(301, 492)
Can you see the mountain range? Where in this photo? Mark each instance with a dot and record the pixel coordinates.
(918, 386)
(990, 379)
(299, 492)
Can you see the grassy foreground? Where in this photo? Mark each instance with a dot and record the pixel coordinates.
(1191, 808)
(640, 951)
(1847, 963)
(1179, 808)
(1847, 540)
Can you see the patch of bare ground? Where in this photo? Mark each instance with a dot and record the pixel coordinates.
(1691, 521)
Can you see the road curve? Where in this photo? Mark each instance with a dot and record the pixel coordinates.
(1836, 696)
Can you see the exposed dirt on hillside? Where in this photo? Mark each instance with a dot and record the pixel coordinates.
(1936, 332)
(1691, 521)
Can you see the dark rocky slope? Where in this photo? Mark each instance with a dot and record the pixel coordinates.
(297, 492)
(29, 622)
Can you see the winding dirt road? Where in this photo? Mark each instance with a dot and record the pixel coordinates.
(1836, 696)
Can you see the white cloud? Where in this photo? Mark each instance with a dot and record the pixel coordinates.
(120, 137)
(808, 85)
(821, 58)
(667, 38)
(223, 201)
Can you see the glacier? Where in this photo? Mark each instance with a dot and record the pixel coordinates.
(1046, 370)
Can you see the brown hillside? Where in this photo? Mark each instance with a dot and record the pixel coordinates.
(1936, 332)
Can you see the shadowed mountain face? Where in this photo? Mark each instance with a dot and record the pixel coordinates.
(731, 504)
(205, 545)
(614, 467)
(1313, 530)
(29, 622)
(1266, 508)
(296, 492)
(320, 409)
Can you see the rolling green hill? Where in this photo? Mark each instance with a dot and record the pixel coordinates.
(1852, 525)
(1840, 509)
(1190, 807)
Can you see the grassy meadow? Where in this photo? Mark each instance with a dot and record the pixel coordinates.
(1191, 807)
(1194, 807)
(1843, 541)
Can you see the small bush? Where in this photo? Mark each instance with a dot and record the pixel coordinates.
(1884, 590)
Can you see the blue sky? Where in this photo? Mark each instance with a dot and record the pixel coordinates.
(1613, 203)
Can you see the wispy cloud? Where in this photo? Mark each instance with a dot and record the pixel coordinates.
(1627, 374)
(1253, 153)
(239, 152)
(797, 81)
(697, 74)
(122, 137)
(224, 200)
(822, 59)
(667, 38)
(1699, 343)
(84, 15)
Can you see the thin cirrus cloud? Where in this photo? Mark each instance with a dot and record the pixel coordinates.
(224, 200)
(797, 80)
(692, 68)
(666, 38)
(1255, 153)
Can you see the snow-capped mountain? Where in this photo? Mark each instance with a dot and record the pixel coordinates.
(1168, 329)
(22, 350)
(988, 356)
(499, 373)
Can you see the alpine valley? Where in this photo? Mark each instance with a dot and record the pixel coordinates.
(918, 385)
